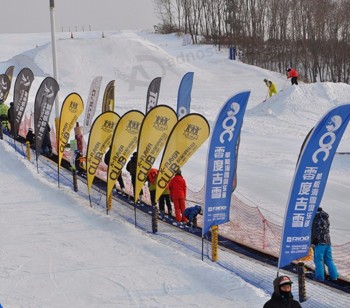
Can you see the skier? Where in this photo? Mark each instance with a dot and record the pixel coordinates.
(282, 295)
(321, 241)
(271, 86)
(191, 214)
(292, 73)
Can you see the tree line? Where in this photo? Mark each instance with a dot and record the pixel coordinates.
(311, 35)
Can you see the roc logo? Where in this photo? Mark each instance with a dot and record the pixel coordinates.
(108, 126)
(133, 127)
(161, 123)
(191, 132)
(73, 107)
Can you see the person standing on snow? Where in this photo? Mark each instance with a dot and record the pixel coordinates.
(321, 241)
(152, 184)
(107, 159)
(271, 86)
(46, 146)
(292, 73)
(30, 137)
(131, 168)
(165, 199)
(282, 295)
(178, 189)
(11, 118)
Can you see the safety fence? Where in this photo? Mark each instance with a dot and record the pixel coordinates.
(247, 225)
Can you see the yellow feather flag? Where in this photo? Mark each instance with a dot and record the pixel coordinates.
(71, 110)
(108, 97)
(125, 139)
(154, 133)
(100, 139)
(185, 139)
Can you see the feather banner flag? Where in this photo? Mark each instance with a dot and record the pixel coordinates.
(153, 94)
(91, 103)
(100, 140)
(184, 95)
(185, 139)
(71, 110)
(155, 130)
(44, 100)
(124, 142)
(108, 97)
(9, 74)
(23, 84)
(5, 85)
(222, 161)
(309, 183)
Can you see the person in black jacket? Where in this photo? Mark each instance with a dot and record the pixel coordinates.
(282, 295)
(321, 241)
(46, 146)
(30, 137)
(11, 118)
(131, 167)
(120, 178)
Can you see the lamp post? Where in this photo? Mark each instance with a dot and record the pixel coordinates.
(54, 58)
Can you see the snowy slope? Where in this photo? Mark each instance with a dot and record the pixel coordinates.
(272, 132)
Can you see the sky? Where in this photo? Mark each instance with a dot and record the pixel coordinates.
(77, 15)
(56, 251)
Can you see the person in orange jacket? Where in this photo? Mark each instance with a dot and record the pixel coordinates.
(178, 188)
(292, 73)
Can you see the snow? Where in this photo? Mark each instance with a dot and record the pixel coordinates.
(57, 251)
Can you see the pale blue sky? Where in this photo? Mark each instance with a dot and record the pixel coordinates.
(24, 16)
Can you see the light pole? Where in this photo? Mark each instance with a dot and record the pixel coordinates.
(54, 58)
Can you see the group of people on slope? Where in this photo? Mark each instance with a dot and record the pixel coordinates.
(292, 74)
(174, 192)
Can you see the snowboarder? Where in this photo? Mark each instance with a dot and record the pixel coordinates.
(282, 295)
(292, 73)
(321, 241)
(271, 86)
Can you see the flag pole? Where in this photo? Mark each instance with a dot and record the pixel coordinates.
(54, 59)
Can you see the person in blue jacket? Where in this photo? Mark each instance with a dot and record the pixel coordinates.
(191, 214)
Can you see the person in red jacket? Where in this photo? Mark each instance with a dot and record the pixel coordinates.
(177, 188)
(292, 73)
